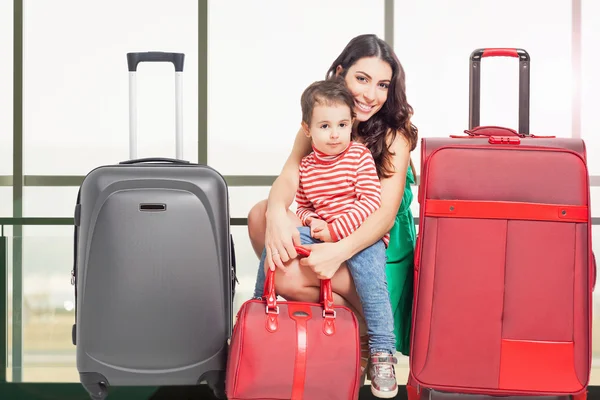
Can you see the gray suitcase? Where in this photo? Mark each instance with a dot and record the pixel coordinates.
(154, 270)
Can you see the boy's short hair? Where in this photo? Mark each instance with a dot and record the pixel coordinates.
(330, 91)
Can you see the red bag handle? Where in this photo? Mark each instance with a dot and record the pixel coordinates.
(326, 297)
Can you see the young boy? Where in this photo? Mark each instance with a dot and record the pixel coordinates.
(339, 188)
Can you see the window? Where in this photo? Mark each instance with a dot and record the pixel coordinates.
(590, 83)
(260, 60)
(6, 92)
(75, 75)
(434, 46)
(6, 201)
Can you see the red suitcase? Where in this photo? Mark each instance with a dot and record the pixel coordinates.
(504, 269)
(294, 350)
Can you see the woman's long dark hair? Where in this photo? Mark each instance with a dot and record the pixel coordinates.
(396, 112)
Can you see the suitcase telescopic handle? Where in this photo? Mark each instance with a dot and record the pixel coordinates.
(133, 59)
(475, 84)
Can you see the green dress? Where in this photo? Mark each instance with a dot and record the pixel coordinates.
(400, 267)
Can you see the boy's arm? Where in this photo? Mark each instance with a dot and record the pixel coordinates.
(368, 192)
(305, 208)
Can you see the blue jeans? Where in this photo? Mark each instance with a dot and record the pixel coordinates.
(368, 272)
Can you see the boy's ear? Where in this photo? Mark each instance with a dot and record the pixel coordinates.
(338, 70)
(305, 129)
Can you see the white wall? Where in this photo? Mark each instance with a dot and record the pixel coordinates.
(75, 92)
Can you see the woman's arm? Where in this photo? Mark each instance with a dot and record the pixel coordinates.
(326, 258)
(280, 233)
(283, 190)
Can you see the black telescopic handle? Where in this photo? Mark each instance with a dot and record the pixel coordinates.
(133, 59)
(475, 84)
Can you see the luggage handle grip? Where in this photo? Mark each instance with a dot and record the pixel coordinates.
(500, 52)
(326, 296)
(155, 159)
(490, 130)
(133, 59)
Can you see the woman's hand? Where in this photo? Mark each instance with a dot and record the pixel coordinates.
(280, 237)
(325, 258)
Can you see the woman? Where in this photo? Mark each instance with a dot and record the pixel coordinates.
(376, 80)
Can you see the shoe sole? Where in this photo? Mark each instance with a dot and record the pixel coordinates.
(384, 395)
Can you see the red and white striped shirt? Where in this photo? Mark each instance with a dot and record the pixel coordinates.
(343, 190)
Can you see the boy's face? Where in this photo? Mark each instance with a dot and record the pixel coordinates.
(330, 128)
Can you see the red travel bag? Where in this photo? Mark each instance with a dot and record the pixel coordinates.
(294, 350)
(504, 269)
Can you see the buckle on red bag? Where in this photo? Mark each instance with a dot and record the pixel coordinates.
(329, 322)
(271, 323)
(272, 310)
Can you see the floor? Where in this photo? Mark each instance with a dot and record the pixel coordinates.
(198, 393)
(204, 394)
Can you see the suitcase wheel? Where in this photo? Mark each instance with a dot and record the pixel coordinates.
(97, 391)
(94, 384)
(218, 389)
(216, 382)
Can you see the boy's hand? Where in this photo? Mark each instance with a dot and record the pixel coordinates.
(316, 225)
(324, 235)
(320, 230)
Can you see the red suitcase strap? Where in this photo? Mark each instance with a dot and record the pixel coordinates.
(506, 210)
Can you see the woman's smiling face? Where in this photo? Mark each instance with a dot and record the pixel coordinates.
(368, 80)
